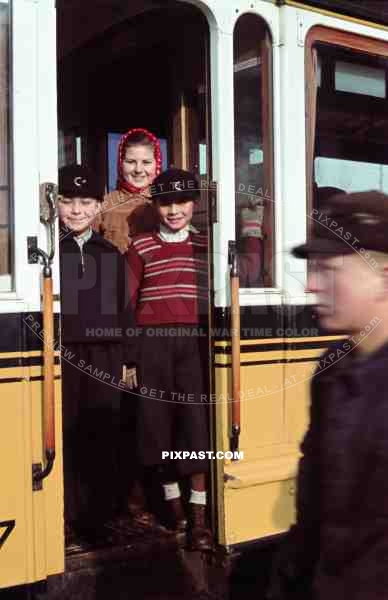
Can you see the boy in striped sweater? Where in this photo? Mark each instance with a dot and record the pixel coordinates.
(169, 291)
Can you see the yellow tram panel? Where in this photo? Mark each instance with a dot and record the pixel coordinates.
(274, 416)
(31, 522)
(48, 502)
(258, 511)
(15, 508)
(297, 398)
(261, 408)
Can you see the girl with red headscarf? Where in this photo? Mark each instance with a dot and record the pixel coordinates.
(128, 210)
(125, 212)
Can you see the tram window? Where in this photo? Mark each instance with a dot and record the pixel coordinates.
(5, 197)
(253, 151)
(348, 117)
(360, 79)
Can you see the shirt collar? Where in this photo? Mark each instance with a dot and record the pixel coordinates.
(83, 237)
(166, 235)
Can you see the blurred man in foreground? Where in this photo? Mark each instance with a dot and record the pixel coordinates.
(338, 547)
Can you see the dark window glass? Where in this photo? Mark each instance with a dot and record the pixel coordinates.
(253, 151)
(351, 122)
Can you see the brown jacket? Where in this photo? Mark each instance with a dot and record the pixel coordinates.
(124, 215)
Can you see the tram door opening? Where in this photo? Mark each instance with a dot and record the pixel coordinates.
(121, 67)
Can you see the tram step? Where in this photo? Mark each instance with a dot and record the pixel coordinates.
(158, 570)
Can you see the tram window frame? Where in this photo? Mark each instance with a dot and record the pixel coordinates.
(264, 47)
(359, 49)
(7, 278)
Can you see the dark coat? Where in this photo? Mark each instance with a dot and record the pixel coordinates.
(95, 315)
(95, 296)
(340, 541)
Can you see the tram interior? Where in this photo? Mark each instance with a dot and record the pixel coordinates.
(127, 65)
(351, 122)
(133, 64)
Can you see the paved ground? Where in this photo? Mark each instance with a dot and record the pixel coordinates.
(158, 571)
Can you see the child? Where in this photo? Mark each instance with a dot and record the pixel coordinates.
(94, 321)
(168, 270)
(125, 212)
(128, 209)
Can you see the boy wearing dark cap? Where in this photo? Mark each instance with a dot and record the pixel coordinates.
(95, 316)
(339, 546)
(168, 270)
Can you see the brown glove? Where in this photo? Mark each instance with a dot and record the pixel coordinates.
(130, 376)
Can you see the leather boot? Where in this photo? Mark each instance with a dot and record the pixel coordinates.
(134, 520)
(176, 516)
(140, 518)
(200, 536)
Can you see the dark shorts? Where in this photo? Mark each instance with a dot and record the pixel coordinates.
(172, 410)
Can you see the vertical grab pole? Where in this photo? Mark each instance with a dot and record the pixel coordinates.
(48, 366)
(47, 216)
(235, 339)
(38, 474)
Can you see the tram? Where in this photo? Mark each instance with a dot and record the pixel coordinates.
(272, 103)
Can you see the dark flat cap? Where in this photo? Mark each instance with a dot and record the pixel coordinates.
(347, 223)
(76, 181)
(175, 185)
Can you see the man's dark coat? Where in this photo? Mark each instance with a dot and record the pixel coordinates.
(340, 541)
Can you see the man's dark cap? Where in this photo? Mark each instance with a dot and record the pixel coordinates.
(175, 185)
(347, 223)
(76, 181)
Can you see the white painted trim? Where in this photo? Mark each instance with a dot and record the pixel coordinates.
(34, 113)
(222, 80)
(309, 18)
(223, 157)
(47, 112)
(5, 283)
(260, 297)
(295, 24)
(25, 147)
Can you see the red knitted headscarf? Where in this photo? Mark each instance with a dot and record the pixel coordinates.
(122, 183)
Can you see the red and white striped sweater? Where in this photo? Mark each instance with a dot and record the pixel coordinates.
(168, 280)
